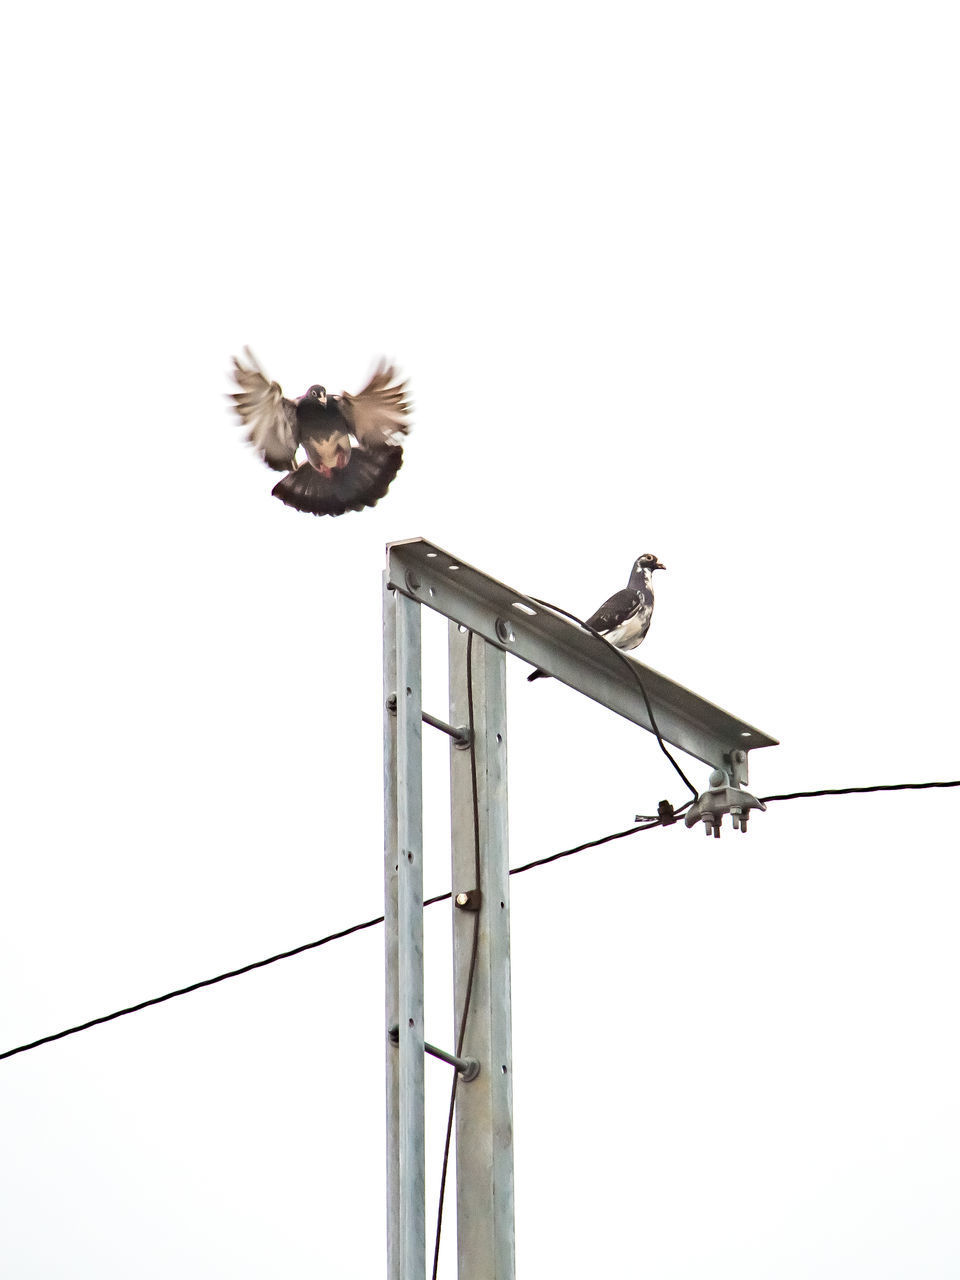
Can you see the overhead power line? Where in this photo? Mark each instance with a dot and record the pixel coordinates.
(851, 791)
(306, 946)
(666, 820)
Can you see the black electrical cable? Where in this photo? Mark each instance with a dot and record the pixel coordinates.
(296, 951)
(631, 667)
(474, 952)
(204, 982)
(851, 791)
(592, 844)
(439, 897)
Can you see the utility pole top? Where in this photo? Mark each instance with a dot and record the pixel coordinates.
(520, 625)
(487, 620)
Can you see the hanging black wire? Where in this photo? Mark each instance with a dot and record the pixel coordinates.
(632, 668)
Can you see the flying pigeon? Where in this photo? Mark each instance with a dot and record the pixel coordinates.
(350, 442)
(624, 619)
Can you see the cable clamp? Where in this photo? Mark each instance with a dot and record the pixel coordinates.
(721, 798)
(666, 814)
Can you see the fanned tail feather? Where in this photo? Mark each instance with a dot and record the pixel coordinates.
(361, 483)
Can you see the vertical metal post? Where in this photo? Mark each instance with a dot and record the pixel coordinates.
(404, 940)
(392, 955)
(485, 1212)
(410, 939)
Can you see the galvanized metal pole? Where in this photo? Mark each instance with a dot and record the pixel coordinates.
(485, 1211)
(392, 954)
(404, 923)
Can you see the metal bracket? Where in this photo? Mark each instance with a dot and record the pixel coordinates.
(735, 765)
(469, 899)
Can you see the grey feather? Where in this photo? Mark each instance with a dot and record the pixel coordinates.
(378, 414)
(270, 417)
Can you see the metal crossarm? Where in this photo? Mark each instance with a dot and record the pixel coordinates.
(519, 625)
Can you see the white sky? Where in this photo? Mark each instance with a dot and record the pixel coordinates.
(673, 278)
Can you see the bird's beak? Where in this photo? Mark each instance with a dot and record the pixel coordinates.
(658, 565)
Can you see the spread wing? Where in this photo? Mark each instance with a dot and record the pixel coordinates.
(379, 413)
(621, 606)
(361, 483)
(269, 415)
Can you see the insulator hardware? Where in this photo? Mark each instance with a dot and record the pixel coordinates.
(719, 799)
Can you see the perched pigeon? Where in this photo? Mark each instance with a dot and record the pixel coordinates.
(350, 442)
(624, 619)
